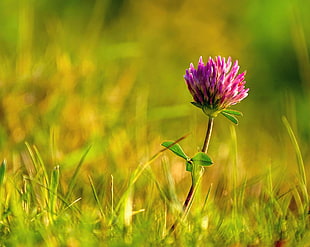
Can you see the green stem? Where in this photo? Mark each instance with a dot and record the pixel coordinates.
(195, 180)
(190, 195)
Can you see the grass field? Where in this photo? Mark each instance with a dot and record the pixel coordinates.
(90, 89)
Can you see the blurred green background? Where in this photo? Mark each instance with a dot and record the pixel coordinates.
(110, 74)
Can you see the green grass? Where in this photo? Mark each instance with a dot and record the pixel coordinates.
(41, 207)
(90, 89)
(49, 207)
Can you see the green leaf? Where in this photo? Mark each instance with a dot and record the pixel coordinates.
(233, 112)
(189, 166)
(2, 171)
(197, 104)
(230, 117)
(176, 148)
(202, 159)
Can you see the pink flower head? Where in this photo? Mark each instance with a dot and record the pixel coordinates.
(215, 85)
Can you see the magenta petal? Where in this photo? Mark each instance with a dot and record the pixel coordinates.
(216, 84)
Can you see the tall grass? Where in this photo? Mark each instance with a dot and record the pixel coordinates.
(38, 207)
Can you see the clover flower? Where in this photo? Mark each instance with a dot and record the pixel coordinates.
(216, 85)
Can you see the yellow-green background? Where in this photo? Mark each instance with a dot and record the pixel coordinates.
(110, 74)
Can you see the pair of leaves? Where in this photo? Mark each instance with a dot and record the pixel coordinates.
(230, 114)
(199, 158)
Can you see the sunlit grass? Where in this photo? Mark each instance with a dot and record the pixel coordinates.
(249, 211)
(86, 102)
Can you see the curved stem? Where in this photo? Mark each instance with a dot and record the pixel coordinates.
(191, 193)
(190, 196)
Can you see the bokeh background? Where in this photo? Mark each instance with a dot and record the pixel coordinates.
(109, 74)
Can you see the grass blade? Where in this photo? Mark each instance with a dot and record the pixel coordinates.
(2, 171)
(76, 172)
(37, 162)
(41, 164)
(96, 196)
(53, 192)
(300, 162)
